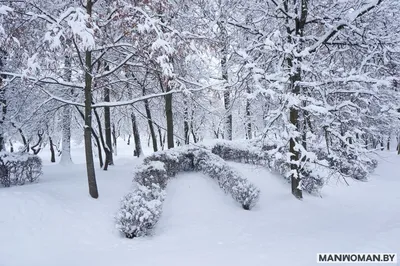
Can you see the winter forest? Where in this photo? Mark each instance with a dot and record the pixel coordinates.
(198, 132)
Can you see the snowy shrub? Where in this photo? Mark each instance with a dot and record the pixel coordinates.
(243, 153)
(19, 168)
(151, 173)
(140, 210)
(229, 180)
(175, 160)
(258, 153)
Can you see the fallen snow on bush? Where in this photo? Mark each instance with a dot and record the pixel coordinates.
(141, 209)
(16, 169)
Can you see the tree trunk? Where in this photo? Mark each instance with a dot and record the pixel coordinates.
(186, 128)
(249, 133)
(224, 68)
(91, 174)
(66, 136)
(114, 136)
(66, 118)
(11, 146)
(96, 138)
(170, 118)
(107, 126)
(294, 66)
(150, 122)
(388, 144)
(161, 137)
(53, 154)
(136, 136)
(192, 128)
(3, 103)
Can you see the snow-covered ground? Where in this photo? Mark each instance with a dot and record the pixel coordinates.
(56, 223)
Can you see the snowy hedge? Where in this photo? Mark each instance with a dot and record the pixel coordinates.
(313, 173)
(268, 155)
(19, 168)
(141, 208)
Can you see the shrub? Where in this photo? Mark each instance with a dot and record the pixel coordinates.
(229, 180)
(19, 168)
(140, 210)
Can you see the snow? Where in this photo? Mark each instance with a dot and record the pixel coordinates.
(5, 9)
(55, 222)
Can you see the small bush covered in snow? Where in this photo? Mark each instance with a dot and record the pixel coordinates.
(151, 173)
(229, 180)
(141, 209)
(16, 169)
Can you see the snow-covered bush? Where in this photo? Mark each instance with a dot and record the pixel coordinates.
(140, 210)
(259, 153)
(229, 180)
(175, 160)
(151, 173)
(241, 153)
(19, 168)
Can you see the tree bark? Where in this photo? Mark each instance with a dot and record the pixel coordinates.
(150, 122)
(66, 117)
(53, 154)
(96, 138)
(186, 127)
(91, 174)
(107, 126)
(294, 66)
(136, 136)
(3, 103)
(114, 136)
(107, 151)
(170, 119)
(224, 68)
(249, 132)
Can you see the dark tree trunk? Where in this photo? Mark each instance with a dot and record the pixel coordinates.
(96, 138)
(388, 144)
(3, 103)
(107, 151)
(161, 137)
(170, 118)
(91, 174)
(150, 122)
(114, 137)
(53, 154)
(37, 147)
(186, 127)
(249, 133)
(136, 136)
(107, 126)
(294, 64)
(11, 146)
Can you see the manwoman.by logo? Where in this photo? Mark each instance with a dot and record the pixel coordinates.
(387, 258)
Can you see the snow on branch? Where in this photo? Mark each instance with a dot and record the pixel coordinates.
(351, 17)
